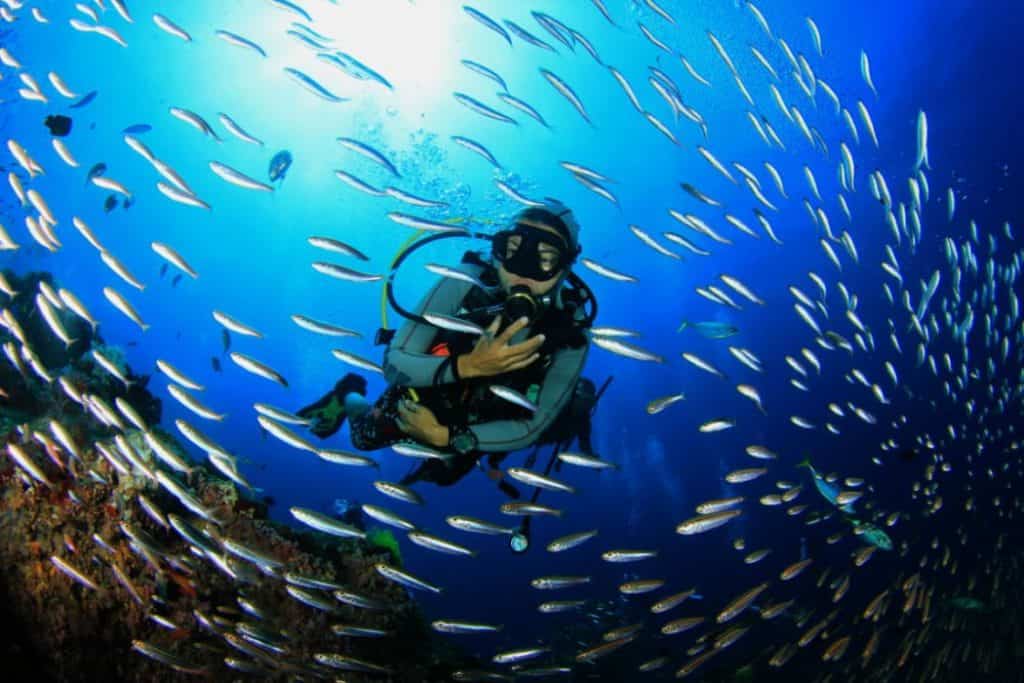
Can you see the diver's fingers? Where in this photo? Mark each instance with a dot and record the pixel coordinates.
(512, 329)
(525, 347)
(523, 363)
(495, 325)
(401, 424)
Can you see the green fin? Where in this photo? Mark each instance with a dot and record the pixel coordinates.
(806, 462)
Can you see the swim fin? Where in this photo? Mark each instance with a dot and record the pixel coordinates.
(328, 412)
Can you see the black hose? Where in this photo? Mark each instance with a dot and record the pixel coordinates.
(389, 285)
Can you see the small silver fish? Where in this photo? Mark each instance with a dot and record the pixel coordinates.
(454, 324)
(541, 481)
(659, 404)
(513, 397)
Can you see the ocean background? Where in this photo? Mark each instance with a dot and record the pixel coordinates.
(958, 61)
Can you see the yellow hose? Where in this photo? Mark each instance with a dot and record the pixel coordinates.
(383, 292)
(455, 220)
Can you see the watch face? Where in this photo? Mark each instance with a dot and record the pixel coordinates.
(464, 442)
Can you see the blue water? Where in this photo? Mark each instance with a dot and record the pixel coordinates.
(953, 59)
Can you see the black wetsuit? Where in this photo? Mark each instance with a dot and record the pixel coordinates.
(415, 359)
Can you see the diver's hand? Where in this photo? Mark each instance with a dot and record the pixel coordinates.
(419, 422)
(493, 355)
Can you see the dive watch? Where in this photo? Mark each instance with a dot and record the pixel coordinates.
(462, 440)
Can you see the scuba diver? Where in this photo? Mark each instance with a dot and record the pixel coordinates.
(464, 394)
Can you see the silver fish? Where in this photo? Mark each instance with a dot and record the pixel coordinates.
(571, 541)
(313, 86)
(345, 458)
(454, 324)
(430, 542)
(174, 258)
(385, 516)
(660, 404)
(567, 92)
(513, 397)
(476, 148)
(398, 492)
(702, 523)
(607, 272)
(455, 274)
(448, 626)
(477, 526)
(257, 368)
(626, 349)
(325, 524)
(581, 460)
(479, 107)
(370, 153)
(541, 481)
(238, 178)
(343, 273)
(405, 578)
(286, 435)
(236, 326)
(358, 184)
(321, 327)
(358, 361)
(194, 120)
(423, 223)
(121, 304)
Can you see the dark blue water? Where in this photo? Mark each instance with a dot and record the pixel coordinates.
(957, 61)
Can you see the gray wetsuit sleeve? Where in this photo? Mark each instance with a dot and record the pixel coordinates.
(408, 361)
(555, 393)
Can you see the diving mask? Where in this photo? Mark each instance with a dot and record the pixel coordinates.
(531, 252)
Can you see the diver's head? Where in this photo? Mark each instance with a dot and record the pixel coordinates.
(537, 250)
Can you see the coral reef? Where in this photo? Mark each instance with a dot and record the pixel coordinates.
(107, 574)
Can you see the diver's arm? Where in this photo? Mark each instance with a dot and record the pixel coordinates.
(407, 361)
(555, 393)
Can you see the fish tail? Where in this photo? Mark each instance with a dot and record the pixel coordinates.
(806, 462)
(682, 326)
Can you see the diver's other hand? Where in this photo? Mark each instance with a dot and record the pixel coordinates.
(419, 422)
(493, 355)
